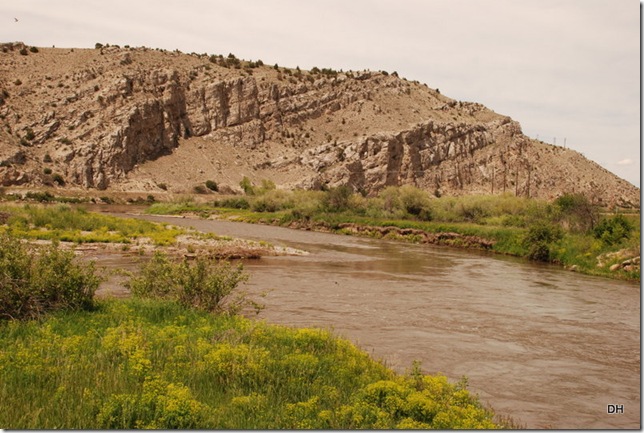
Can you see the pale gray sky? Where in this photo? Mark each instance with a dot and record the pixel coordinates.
(565, 69)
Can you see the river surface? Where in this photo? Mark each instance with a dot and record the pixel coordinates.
(548, 347)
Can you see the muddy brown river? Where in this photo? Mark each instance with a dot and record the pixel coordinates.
(550, 348)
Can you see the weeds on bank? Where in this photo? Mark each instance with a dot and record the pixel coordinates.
(156, 364)
(570, 231)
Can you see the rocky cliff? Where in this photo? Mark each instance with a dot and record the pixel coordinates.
(147, 120)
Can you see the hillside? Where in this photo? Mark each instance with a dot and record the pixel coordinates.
(139, 119)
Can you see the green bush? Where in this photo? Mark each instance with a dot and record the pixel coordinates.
(35, 282)
(577, 212)
(613, 230)
(415, 202)
(232, 203)
(538, 240)
(42, 197)
(203, 283)
(247, 186)
(337, 199)
(272, 201)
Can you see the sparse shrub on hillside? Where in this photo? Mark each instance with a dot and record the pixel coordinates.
(232, 61)
(199, 189)
(29, 134)
(57, 178)
(33, 49)
(212, 185)
(47, 159)
(23, 51)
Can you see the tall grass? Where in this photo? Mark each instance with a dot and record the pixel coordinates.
(155, 364)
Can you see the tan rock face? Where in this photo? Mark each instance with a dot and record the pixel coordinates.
(130, 119)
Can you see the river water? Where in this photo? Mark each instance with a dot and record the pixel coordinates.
(550, 348)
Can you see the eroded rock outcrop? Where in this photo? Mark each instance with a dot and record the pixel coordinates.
(96, 116)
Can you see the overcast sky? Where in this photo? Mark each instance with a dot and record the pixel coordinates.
(565, 69)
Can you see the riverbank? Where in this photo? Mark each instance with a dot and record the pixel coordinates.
(570, 232)
(573, 251)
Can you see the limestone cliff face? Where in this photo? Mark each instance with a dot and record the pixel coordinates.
(124, 118)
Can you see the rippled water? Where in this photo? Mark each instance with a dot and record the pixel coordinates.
(548, 347)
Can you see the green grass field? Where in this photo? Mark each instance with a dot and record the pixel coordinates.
(154, 364)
